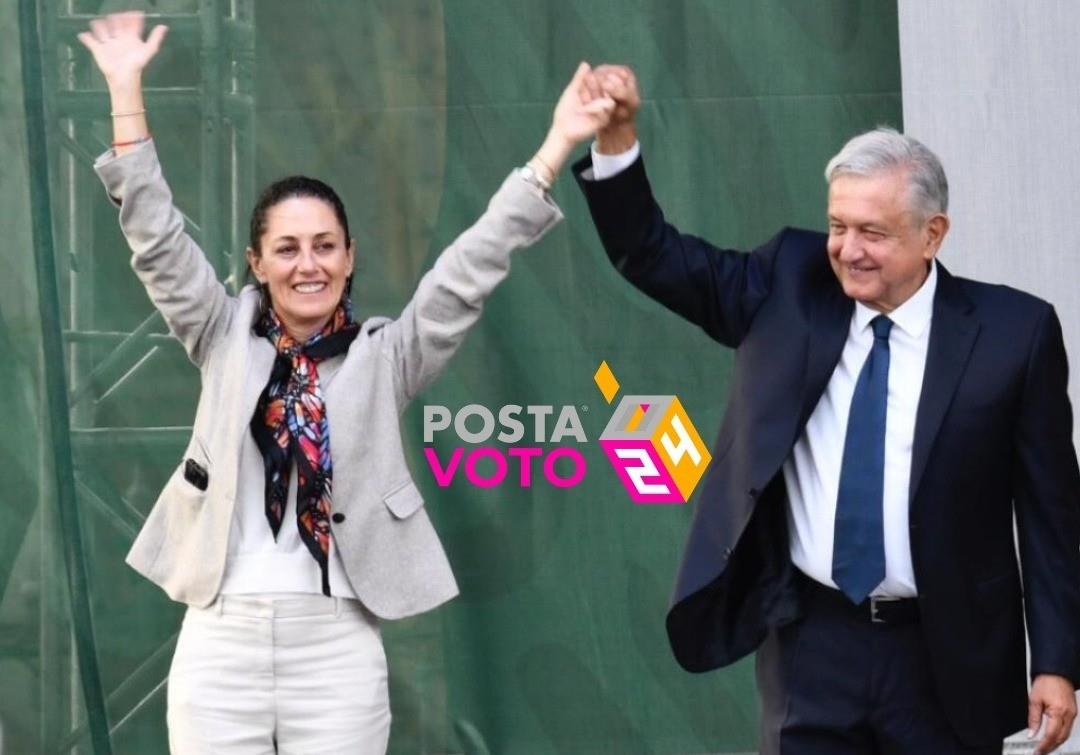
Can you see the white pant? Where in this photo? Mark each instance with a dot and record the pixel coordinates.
(296, 675)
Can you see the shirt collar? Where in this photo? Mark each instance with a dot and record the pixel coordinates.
(913, 316)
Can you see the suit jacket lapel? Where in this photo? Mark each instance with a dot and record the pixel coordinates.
(829, 325)
(260, 361)
(953, 331)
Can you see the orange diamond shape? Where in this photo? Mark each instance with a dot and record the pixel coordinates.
(606, 382)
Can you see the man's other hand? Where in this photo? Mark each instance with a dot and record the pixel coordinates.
(1054, 697)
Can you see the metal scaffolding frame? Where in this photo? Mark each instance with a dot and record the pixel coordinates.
(58, 80)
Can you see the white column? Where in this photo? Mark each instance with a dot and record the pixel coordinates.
(993, 87)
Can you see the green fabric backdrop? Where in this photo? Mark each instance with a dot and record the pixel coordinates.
(415, 111)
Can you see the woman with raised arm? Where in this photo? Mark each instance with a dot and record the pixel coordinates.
(292, 524)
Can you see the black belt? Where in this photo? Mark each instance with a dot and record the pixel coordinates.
(874, 610)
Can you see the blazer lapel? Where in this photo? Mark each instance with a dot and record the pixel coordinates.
(260, 361)
(829, 325)
(953, 331)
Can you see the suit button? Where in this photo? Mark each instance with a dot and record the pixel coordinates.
(752, 492)
(338, 518)
(727, 553)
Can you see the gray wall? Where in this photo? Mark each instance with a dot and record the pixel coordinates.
(993, 86)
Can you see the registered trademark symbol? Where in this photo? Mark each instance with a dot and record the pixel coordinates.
(585, 408)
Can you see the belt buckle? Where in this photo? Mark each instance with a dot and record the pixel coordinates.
(875, 601)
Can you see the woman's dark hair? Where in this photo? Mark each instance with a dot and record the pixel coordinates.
(287, 188)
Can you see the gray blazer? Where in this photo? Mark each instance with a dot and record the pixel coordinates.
(390, 551)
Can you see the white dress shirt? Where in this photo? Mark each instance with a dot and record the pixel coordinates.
(812, 471)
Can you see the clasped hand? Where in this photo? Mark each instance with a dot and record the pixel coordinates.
(599, 101)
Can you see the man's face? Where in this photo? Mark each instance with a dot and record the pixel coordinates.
(878, 249)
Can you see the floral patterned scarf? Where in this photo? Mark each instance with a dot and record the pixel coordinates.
(290, 424)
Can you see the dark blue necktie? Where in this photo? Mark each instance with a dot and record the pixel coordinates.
(859, 537)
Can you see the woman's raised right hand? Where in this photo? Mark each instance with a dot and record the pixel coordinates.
(117, 44)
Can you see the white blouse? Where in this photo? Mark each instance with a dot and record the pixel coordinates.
(257, 563)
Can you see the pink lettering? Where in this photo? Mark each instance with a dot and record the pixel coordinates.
(579, 467)
(476, 479)
(443, 476)
(525, 455)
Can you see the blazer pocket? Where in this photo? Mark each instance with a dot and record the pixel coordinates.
(403, 501)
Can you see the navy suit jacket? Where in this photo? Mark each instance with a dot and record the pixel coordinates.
(993, 438)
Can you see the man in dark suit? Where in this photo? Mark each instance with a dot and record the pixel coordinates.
(887, 421)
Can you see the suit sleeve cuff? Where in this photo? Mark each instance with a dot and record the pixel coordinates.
(115, 171)
(606, 166)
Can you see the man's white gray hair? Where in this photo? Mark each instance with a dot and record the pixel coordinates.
(885, 149)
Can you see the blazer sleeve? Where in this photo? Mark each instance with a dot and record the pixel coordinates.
(450, 297)
(720, 290)
(1047, 500)
(176, 274)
